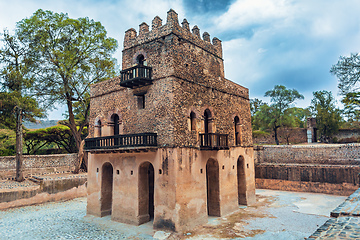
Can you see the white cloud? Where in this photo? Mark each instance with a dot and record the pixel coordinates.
(244, 13)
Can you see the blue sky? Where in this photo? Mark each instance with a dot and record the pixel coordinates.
(265, 42)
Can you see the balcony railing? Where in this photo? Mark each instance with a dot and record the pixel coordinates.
(122, 141)
(213, 141)
(136, 76)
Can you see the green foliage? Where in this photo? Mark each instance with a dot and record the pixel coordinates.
(347, 70)
(16, 79)
(328, 117)
(259, 134)
(299, 116)
(255, 105)
(8, 101)
(70, 55)
(278, 114)
(7, 142)
(45, 138)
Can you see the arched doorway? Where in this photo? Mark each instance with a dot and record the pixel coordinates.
(212, 188)
(241, 182)
(106, 189)
(146, 191)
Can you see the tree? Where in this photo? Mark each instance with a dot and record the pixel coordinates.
(278, 113)
(328, 117)
(59, 136)
(347, 70)
(16, 102)
(255, 105)
(7, 142)
(70, 54)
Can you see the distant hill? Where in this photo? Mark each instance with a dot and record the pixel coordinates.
(41, 124)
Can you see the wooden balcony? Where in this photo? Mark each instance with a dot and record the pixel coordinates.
(122, 141)
(136, 76)
(213, 141)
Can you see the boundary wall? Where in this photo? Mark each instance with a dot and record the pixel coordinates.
(37, 165)
(322, 168)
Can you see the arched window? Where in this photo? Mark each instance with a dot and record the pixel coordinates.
(207, 121)
(115, 123)
(141, 60)
(237, 129)
(97, 132)
(193, 121)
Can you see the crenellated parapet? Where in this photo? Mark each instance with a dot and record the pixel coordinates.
(172, 26)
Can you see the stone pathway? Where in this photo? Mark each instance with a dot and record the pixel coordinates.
(346, 221)
(277, 215)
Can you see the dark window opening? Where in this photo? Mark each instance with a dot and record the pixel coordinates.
(115, 121)
(141, 60)
(193, 121)
(141, 101)
(207, 121)
(237, 131)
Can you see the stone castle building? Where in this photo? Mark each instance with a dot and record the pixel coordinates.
(170, 139)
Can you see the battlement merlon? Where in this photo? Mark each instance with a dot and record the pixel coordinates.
(172, 26)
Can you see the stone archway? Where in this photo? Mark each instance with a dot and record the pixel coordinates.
(241, 181)
(106, 189)
(212, 188)
(146, 192)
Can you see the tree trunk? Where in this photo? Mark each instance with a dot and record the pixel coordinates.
(19, 145)
(276, 136)
(80, 157)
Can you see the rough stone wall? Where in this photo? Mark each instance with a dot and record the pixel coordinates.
(347, 135)
(343, 154)
(37, 164)
(188, 75)
(326, 165)
(190, 96)
(294, 135)
(155, 117)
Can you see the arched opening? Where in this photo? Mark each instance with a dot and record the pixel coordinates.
(141, 60)
(237, 131)
(241, 181)
(212, 188)
(97, 130)
(115, 123)
(146, 192)
(207, 121)
(193, 121)
(106, 189)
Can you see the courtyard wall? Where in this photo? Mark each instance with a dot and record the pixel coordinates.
(330, 168)
(37, 164)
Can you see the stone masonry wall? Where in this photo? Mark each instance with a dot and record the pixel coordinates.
(294, 135)
(315, 168)
(38, 164)
(187, 74)
(335, 154)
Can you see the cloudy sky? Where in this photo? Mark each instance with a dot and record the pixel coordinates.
(265, 42)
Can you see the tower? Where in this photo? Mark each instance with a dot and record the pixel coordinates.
(172, 132)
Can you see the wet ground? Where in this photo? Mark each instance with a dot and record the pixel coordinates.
(276, 215)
